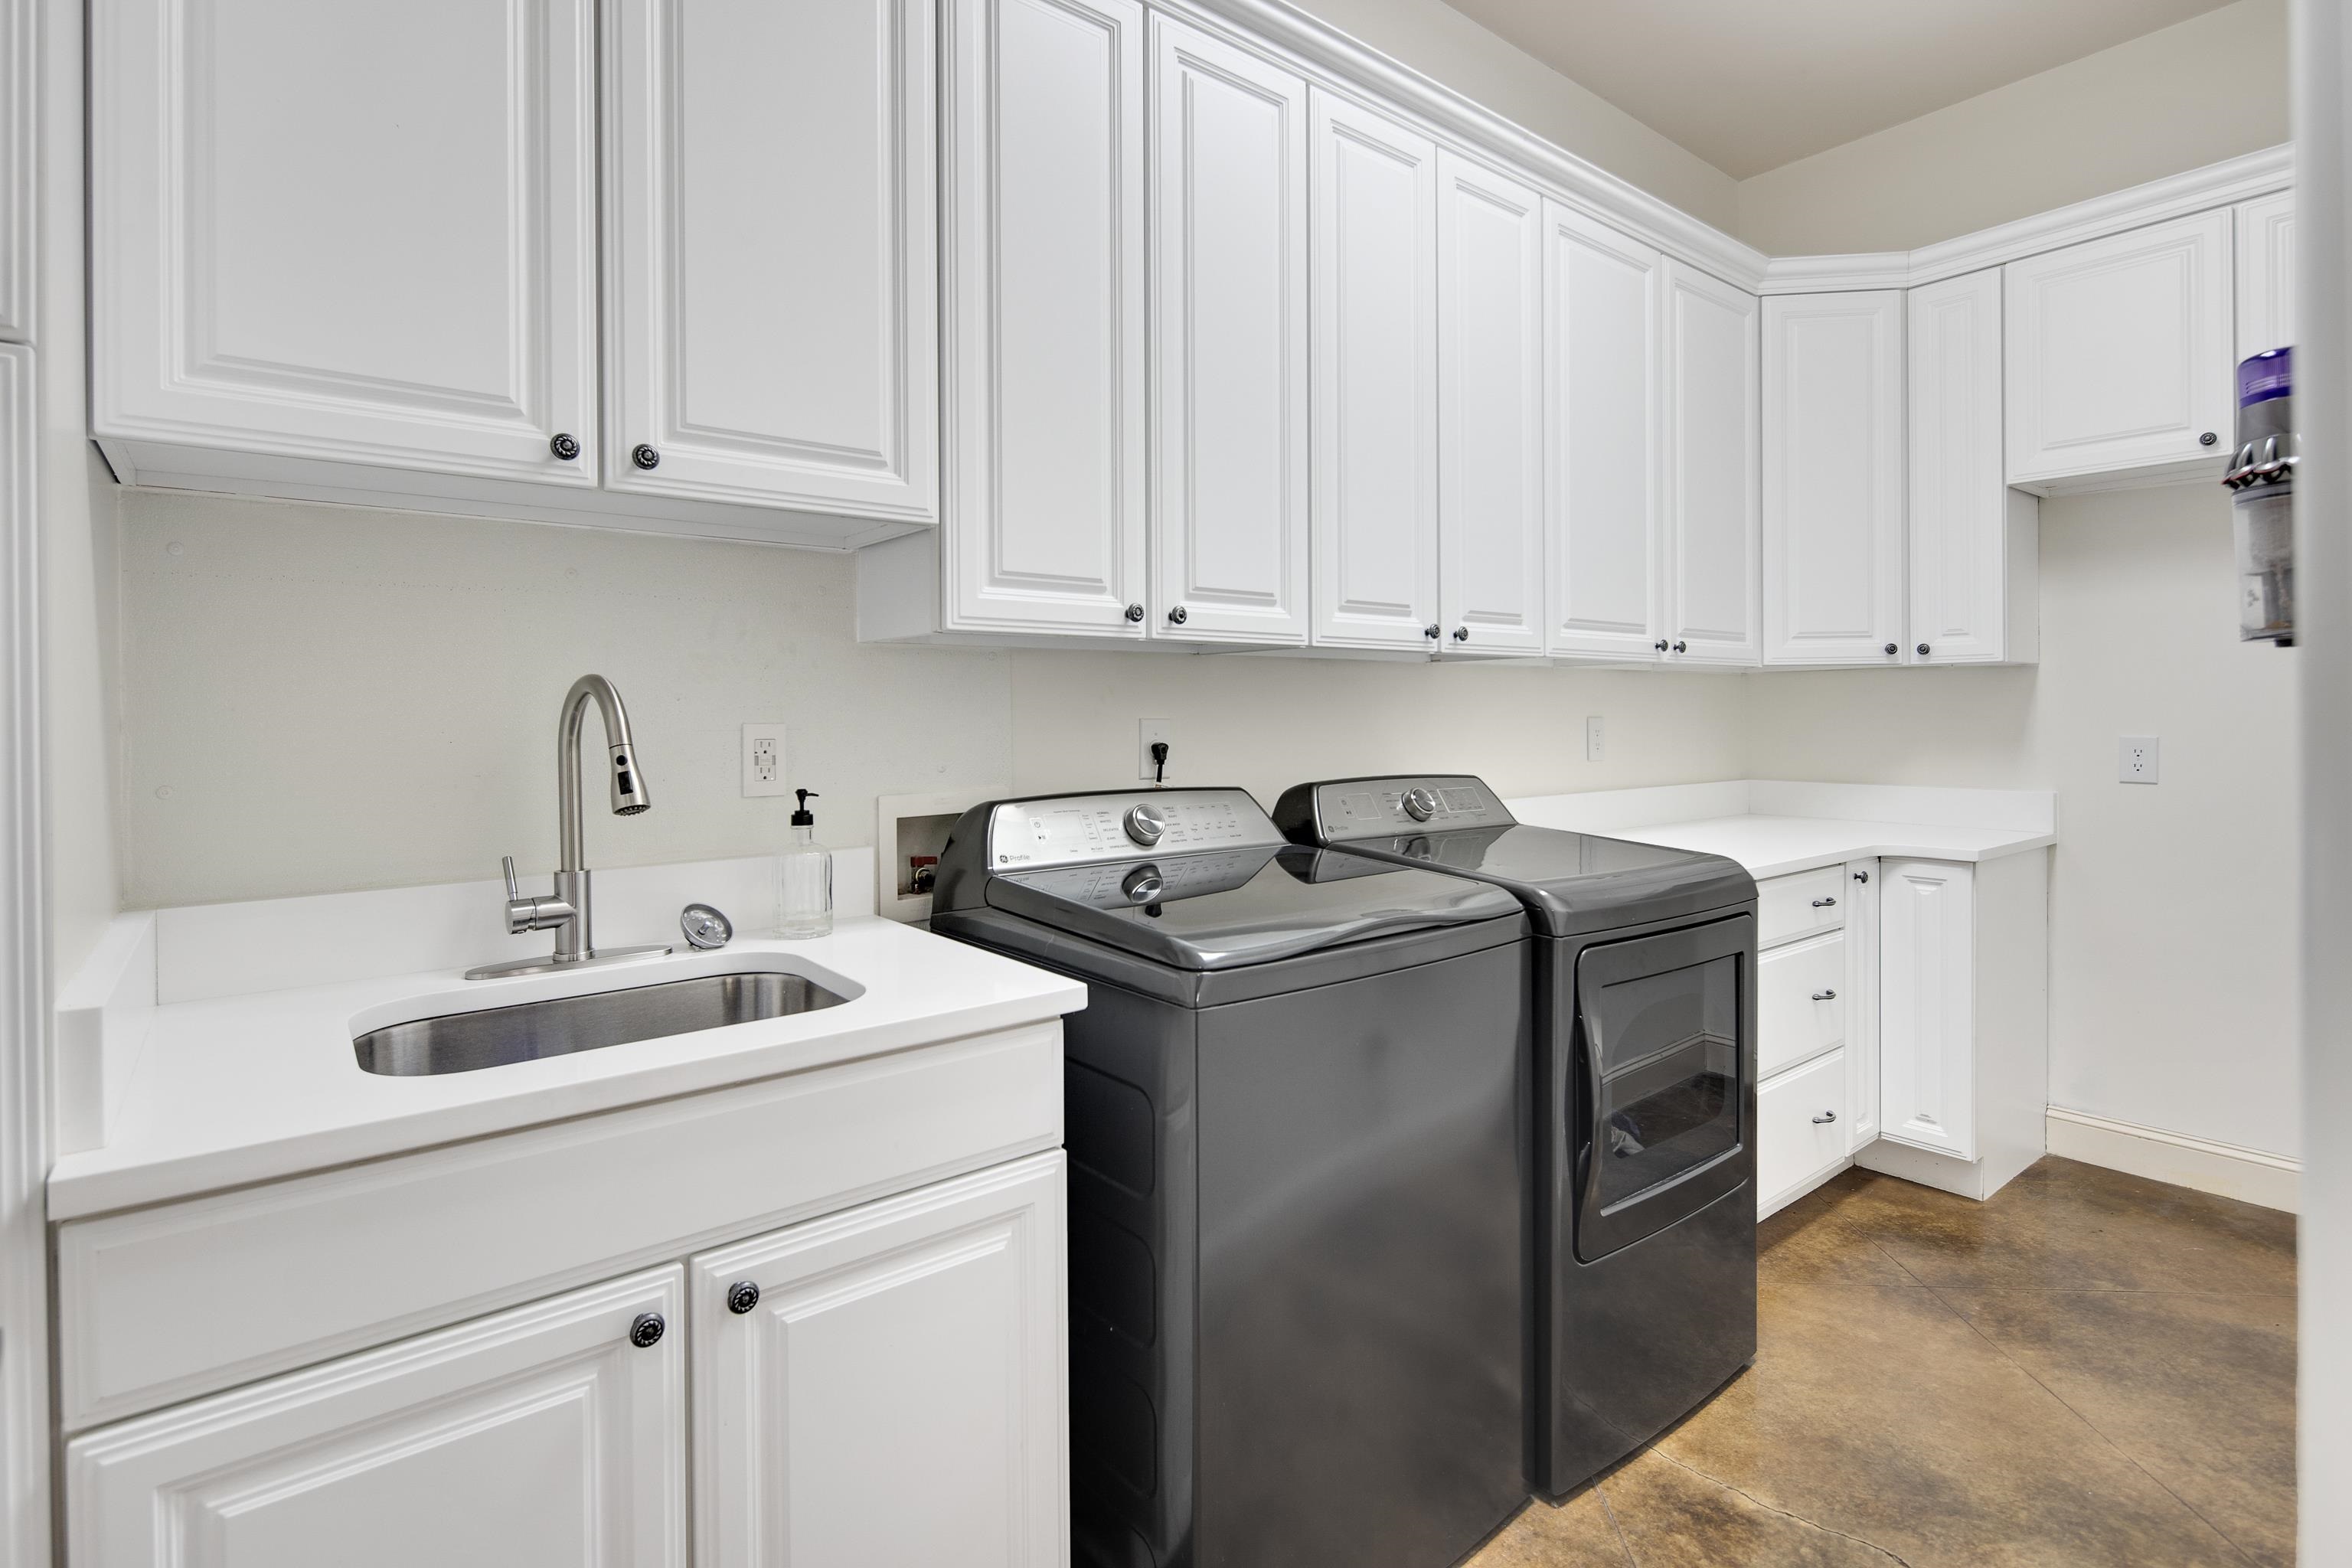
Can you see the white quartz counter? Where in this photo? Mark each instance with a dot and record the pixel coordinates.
(1774, 828)
(228, 1089)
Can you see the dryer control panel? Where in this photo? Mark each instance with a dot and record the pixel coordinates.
(1120, 824)
(1347, 809)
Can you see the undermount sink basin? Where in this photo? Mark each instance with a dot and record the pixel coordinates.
(464, 1042)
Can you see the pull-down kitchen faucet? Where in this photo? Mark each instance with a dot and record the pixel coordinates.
(568, 912)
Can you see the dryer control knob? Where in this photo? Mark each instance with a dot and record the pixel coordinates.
(1143, 885)
(1144, 825)
(1420, 805)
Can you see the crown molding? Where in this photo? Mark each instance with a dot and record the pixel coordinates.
(1281, 31)
(1833, 274)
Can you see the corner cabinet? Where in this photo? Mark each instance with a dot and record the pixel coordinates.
(772, 270)
(1712, 506)
(1974, 543)
(1374, 494)
(2119, 356)
(1228, 322)
(1833, 486)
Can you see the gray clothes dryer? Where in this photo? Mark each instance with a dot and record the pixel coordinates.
(1644, 995)
(1295, 1113)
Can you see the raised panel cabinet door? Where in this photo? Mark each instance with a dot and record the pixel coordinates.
(1927, 1039)
(550, 1436)
(2119, 352)
(1966, 576)
(773, 288)
(1603, 415)
(1712, 502)
(1229, 341)
(1374, 309)
(1833, 493)
(1490, 411)
(356, 233)
(18, 105)
(1044, 520)
(2266, 230)
(887, 1386)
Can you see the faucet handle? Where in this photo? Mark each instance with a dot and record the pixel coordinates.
(514, 893)
(531, 914)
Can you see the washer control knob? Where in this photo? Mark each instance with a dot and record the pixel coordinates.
(1418, 803)
(1144, 825)
(1143, 885)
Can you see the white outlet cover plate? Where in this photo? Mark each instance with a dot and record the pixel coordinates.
(1592, 738)
(2136, 757)
(754, 783)
(1147, 732)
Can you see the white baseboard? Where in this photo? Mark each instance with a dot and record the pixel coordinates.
(2247, 1174)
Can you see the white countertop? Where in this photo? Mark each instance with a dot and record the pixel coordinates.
(1774, 829)
(238, 1088)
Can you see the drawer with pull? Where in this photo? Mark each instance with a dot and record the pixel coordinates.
(1789, 907)
(1800, 1006)
(1800, 1129)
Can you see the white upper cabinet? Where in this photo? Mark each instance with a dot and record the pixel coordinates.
(772, 257)
(1374, 309)
(1044, 335)
(2119, 355)
(316, 235)
(1229, 338)
(1927, 916)
(1603, 415)
(544, 1437)
(1711, 481)
(2266, 274)
(1490, 411)
(1974, 541)
(18, 106)
(1833, 496)
(919, 1336)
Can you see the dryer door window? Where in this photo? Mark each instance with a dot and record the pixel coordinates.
(1665, 1028)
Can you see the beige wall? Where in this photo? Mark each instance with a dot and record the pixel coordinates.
(2208, 88)
(1444, 45)
(2172, 906)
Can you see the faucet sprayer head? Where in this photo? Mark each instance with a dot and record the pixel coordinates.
(629, 794)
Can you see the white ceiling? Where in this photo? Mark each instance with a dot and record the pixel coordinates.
(1750, 85)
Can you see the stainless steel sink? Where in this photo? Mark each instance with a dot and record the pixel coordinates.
(463, 1042)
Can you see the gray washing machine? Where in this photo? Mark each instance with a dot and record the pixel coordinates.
(1296, 1107)
(1645, 976)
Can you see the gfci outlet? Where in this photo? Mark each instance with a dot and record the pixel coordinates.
(1147, 731)
(763, 758)
(2136, 757)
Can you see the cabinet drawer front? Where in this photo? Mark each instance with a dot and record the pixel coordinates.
(1801, 1002)
(163, 1304)
(541, 1437)
(1788, 907)
(1793, 1144)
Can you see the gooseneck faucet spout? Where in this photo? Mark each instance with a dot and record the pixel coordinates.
(570, 912)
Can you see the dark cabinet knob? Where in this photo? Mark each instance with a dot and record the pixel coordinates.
(564, 446)
(1892, 650)
(647, 1332)
(1179, 616)
(1862, 876)
(1462, 633)
(1921, 650)
(1661, 644)
(741, 1297)
(644, 456)
(2207, 439)
(1432, 633)
(1682, 647)
(1135, 612)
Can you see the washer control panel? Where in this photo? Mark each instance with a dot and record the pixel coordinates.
(1375, 808)
(1080, 829)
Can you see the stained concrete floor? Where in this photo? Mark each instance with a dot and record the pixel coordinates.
(2090, 1368)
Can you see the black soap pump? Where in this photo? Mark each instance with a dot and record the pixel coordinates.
(805, 878)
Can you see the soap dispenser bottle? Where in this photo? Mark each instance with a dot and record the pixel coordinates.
(804, 876)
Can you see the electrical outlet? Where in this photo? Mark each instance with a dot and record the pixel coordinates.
(1593, 738)
(1148, 730)
(2135, 759)
(763, 758)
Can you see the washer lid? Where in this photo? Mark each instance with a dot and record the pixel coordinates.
(1226, 908)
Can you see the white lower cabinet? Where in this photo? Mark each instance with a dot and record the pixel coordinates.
(1927, 950)
(1801, 1004)
(886, 1388)
(550, 1436)
(1799, 1130)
